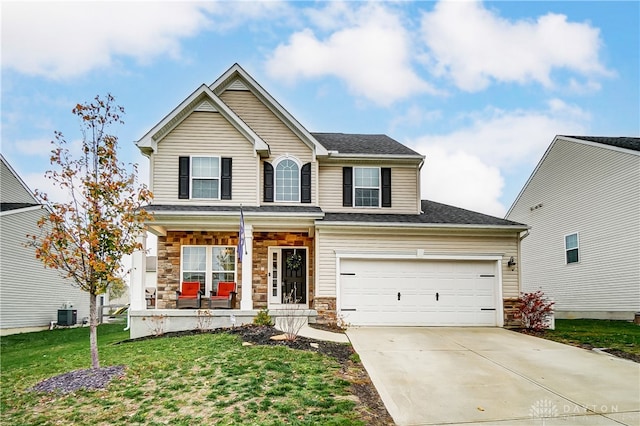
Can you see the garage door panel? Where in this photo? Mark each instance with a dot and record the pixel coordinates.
(431, 292)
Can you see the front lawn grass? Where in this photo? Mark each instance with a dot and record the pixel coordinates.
(201, 379)
(620, 336)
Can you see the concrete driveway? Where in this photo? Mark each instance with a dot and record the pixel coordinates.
(493, 376)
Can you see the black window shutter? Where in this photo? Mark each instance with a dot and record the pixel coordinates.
(386, 187)
(305, 184)
(183, 177)
(226, 179)
(347, 186)
(268, 182)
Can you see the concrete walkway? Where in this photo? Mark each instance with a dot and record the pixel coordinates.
(327, 336)
(492, 376)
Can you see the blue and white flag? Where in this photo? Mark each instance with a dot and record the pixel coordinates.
(241, 247)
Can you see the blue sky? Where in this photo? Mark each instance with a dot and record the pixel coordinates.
(480, 88)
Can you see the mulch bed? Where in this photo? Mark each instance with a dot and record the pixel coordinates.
(369, 406)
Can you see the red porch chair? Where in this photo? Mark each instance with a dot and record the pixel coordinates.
(225, 297)
(190, 292)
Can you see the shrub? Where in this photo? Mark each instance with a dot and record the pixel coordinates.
(263, 318)
(533, 310)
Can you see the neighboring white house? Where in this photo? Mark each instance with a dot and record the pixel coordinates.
(583, 205)
(30, 294)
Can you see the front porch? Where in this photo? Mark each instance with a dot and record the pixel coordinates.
(275, 271)
(155, 322)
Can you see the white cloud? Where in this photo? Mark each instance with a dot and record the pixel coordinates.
(415, 116)
(60, 40)
(38, 182)
(462, 180)
(40, 147)
(372, 54)
(475, 46)
(467, 166)
(66, 39)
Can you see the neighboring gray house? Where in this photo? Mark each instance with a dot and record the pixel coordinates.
(583, 205)
(30, 294)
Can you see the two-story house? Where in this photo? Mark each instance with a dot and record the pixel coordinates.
(332, 223)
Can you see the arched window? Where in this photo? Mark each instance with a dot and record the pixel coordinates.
(287, 180)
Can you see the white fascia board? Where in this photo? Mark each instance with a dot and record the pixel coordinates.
(147, 141)
(151, 138)
(419, 226)
(22, 210)
(386, 157)
(599, 145)
(524, 187)
(271, 103)
(17, 176)
(178, 214)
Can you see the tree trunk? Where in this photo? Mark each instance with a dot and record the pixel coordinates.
(93, 330)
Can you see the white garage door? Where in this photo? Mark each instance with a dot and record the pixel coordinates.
(418, 292)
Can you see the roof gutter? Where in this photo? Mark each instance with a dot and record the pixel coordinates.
(404, 225)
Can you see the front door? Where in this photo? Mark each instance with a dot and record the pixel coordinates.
(287, 276)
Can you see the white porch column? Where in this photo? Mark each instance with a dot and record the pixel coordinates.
(137, 276)
(246, 303)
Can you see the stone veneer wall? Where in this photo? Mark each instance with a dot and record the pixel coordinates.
(510, 308)
(326, 308)
(261, 243)
(169, 248)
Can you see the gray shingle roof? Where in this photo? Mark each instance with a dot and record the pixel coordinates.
(362, 144)
(433, 213)
(620, 142)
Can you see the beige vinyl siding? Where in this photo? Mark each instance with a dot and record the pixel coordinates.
(407, 242)
(403, 190)
(30, 294)
(12, 190)
(595, 192)
(281, 140)
(208, 134)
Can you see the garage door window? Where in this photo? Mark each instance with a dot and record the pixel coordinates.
(571, 248)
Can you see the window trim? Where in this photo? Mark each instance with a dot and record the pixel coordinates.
(577, 248)
(275, 178)
(355, 187)
(208, 272)
(192, 177)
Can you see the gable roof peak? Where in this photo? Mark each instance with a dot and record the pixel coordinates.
(201, 99)
(229, 81)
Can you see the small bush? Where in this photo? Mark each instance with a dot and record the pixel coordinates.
(263, 318)
(533, 310)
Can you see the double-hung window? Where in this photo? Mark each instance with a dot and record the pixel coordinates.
(287, 181)
(194, 265)
(209, 265)
(366, 186)
(571, 245)
(205, 177)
